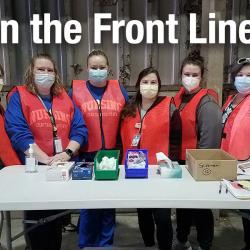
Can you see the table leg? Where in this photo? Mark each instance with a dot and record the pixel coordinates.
(8, 230)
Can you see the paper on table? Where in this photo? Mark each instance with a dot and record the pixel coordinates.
(236, 190)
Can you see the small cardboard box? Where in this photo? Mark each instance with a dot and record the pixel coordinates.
(211, 164)
(59, 171)
(170, 172)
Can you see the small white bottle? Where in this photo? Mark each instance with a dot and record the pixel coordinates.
(30, 161)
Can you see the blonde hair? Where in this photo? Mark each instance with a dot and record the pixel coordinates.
(56, 88)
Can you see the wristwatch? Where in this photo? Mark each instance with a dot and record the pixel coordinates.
(69, 152)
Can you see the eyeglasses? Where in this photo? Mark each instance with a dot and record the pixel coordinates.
(243, 60)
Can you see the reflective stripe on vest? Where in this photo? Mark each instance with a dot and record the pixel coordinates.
(102, 122)
(188, 118)
(237, 130)
(154, 131)
(39, 121)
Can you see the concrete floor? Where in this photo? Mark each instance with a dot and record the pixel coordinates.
(228, 233)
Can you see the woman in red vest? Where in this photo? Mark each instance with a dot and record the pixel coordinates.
(100, 100)
(41, 113)
(201, 128)
(7, 155)
(142, 127)
(236, 125)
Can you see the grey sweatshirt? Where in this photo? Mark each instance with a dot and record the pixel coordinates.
(208, 125)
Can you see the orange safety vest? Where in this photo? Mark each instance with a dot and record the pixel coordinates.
(236, 131)
(39, 120)
(188, 118)
(10, 93)
(7, 154)
(155, 129)
(102, 119)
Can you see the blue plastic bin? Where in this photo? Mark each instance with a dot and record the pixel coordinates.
(136, 172)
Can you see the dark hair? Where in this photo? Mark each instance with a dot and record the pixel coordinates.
(1, 70)
(57, 87)
(97, 52)
(236, 68)
(194, 58)
(130, 108)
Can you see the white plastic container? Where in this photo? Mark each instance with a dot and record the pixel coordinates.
(30, 161)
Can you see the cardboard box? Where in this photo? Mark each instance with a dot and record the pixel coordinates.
(59, 171)
(170, 172)
(211, 164)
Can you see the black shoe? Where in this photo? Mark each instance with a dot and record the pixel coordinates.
(149, 244)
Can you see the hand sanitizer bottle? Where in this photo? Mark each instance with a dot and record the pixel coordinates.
(30, 161)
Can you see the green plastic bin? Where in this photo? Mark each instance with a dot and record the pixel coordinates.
(106, 174)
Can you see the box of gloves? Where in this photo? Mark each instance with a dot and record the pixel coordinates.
(83, 171)
(136, 163)
(106, 166)
(59, 171)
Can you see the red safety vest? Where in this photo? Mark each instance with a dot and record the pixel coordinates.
(7, 154)
(10, 93)
(39, 120)
(188, 118)
(154, 131)
(236, 131)
(102, 120)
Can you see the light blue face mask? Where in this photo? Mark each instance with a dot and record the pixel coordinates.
(98, 75)
(242, 84)
(44, 80)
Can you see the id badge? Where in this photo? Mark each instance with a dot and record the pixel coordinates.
(58, 145)
(136, 140)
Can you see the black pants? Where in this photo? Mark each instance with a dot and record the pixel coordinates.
(44, 237)
(148, 218)
(204, 222)
(246, 227)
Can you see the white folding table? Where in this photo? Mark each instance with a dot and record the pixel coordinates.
(22, 191)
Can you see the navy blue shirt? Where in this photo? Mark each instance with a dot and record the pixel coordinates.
(19, 130)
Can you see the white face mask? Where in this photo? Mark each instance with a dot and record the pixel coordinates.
(149, 91)
(44, 81)
(242, 84)
(190, 83)
(98, 75)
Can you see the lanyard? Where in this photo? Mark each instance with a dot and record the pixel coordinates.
(229, 109)
(51, 117)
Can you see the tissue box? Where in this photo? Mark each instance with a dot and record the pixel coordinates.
(136, 163)
(107, 174)
(211, 164)
(59, 171)
(82, 171)
(171, 172)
